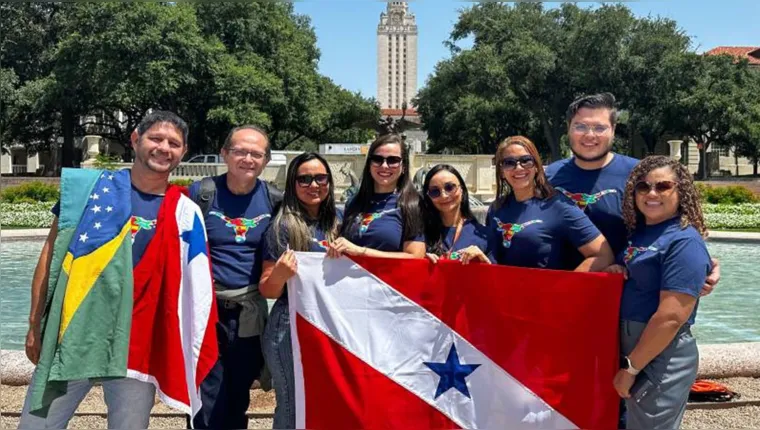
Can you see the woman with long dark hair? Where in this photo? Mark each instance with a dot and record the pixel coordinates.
(307, 221)
(534, 225)
(451, 231)
(665, 265)
(384, 219)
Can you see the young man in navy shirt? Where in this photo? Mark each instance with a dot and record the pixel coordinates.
(238, 207)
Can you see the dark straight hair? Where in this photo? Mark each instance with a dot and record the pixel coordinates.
(434, 235)
(292, 215)
(161, 116)
(408, 199)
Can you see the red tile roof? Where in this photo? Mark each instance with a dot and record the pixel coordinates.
(397, 112)
(751, 53)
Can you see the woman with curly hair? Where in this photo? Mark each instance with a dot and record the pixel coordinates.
(532, 225)
(665, 265)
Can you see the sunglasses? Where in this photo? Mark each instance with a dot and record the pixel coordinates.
(448, 187)
(306, 180)
(526, 161)
(378, 160)
(643, 187)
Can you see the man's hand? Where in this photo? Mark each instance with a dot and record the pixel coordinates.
(623, 382)
(33, 343)
(712, 279)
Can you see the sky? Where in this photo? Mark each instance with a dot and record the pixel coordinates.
(347, 31)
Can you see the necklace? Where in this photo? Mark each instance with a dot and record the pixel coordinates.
(383, 199)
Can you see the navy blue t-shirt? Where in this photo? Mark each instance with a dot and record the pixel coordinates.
(599, 193)
(472, 234)
(662, 257)
(235, 225)
(272, 248)
(537, 232)
(144, 215)
(382, 227)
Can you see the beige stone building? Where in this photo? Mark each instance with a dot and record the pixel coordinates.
(396, 56)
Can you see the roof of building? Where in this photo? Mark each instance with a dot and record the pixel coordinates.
(751, 53)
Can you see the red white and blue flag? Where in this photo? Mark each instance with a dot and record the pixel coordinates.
(173, 335)
(381, 343)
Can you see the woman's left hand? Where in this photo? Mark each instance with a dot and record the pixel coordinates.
(623, 382)
(344, 246)
(472, 253)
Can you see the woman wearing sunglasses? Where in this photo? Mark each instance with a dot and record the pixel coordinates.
(665, 265)
(384, 219)
(451, 231)
(532, 224)
(307, 221)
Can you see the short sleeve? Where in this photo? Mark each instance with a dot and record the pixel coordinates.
(272, 247)
(577, 226)
(56, 209)
(685, 266)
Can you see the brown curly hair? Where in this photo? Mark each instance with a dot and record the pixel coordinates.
(543, 189)
(688, 196)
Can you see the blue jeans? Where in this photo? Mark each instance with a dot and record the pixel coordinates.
(278, 352)
(128, 402)
(225, 392)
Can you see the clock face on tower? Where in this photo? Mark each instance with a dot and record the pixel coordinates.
(396, 18)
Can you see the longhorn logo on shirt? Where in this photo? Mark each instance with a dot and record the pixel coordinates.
(139, 223)
(632, 252)
(367, 218)
(508, 230)
(582, 200)
(240, 225)
(320, 243)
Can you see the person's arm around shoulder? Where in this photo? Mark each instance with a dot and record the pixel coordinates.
(39, 295)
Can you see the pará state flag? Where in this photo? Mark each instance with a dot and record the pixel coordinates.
(381, 343)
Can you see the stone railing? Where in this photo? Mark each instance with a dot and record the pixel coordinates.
(476, 170)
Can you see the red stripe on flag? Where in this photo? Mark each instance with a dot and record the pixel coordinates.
(368, 399)
(555, 332)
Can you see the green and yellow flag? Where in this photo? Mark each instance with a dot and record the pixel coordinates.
(86, 328)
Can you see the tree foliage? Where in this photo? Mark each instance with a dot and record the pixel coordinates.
(99, 67)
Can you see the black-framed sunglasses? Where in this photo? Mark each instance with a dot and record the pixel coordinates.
(306, 180)
(644, 187)
(526, 161)
(448, 187)
(378, 160)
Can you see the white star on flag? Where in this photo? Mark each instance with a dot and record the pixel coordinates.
(97, 226)
(109, 209)
(105, 189)
(83, 237)
(94, 196)
(96, 209)
(110, 177)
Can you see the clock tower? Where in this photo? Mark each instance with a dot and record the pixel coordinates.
(396, 56)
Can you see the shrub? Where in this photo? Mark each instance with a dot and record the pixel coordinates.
(732, 194)
(181, 182)
(27, 215)
(107, 162)
(31, 192)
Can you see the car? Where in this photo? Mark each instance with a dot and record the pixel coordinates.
(206, 158)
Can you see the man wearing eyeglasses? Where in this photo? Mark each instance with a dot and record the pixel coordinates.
(595, 177)
(237, 207)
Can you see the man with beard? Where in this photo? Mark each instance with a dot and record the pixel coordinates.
(595, 177)
(159, 142)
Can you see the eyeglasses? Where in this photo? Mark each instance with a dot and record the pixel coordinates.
(643, 187)
(378, 160)
(585, 128)
(448, 187)
(243, 153)
(306, 180)
(526, 161)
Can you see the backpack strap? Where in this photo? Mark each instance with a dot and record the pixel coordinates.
(275, 197)
(206, 195)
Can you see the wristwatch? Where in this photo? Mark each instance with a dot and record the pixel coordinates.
(625, 364)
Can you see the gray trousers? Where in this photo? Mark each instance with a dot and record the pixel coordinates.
(659, 395)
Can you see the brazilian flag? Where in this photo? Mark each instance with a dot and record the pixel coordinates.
(88, 314)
